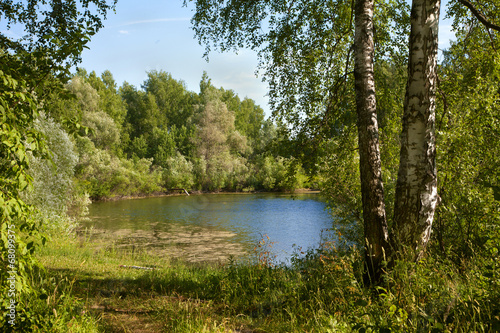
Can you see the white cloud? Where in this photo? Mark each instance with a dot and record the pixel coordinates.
(175, 19)
(124, 32)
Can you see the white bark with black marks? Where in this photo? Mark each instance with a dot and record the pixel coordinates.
(416, 190)
(374, 215)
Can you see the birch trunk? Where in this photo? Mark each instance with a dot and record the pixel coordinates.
(416, 189)
(375, 223)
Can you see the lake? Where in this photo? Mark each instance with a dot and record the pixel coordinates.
(213, 227)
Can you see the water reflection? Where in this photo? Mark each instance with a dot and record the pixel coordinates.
(214, 226)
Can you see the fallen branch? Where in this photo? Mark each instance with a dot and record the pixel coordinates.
(137, 267)
(180, 189)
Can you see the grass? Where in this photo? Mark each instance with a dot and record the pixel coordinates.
(83, 288)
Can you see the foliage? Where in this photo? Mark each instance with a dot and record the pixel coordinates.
(468, 221)
(193, 140)
(86, 97)
(219, 144)
(342, 188)
(31, 67)
(276, 173)
(174, 102)
(162, 145)
(103, 130)
(110, 101)
(18, 230)
(178, 172)
(304, 51)
(159, 118)
(52, 37)
(104, 175)
(52, 179)
(248, 117)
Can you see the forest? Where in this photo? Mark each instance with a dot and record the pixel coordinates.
(426, 233)
(162, 138)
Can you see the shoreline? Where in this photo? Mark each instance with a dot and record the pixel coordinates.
(181, 193)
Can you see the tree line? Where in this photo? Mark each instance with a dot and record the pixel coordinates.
(132, 141)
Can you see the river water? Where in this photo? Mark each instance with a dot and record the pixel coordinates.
(214, 227)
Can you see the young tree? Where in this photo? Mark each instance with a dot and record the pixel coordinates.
(372, 190)
(53, 185)
(250, 120)
(218, 143)
(86, 105)
(175, 106)
(109, 101)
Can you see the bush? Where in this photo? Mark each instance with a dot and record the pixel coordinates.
(104, 131)
(178, 173)
(53, 186)
(104, 175)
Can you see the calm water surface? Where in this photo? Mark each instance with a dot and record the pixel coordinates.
(216, 225)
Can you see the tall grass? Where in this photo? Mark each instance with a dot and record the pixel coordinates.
(84, 289)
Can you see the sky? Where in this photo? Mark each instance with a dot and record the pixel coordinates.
(156, 35)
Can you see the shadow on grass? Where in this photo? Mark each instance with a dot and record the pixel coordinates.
(161, 300)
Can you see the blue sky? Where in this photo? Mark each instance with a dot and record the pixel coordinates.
(156, 35)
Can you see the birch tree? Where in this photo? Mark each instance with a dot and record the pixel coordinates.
(218, 143)
(372, 190)
(416, 190)
(305, 50)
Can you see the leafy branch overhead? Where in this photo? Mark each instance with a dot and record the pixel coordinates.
(479, 15)
(53, 35)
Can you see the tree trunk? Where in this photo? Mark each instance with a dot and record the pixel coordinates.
(374, 216)
(416, 189)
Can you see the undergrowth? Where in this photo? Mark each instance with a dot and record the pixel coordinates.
(85, 289)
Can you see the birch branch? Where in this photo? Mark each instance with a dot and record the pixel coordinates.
(480, 16)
